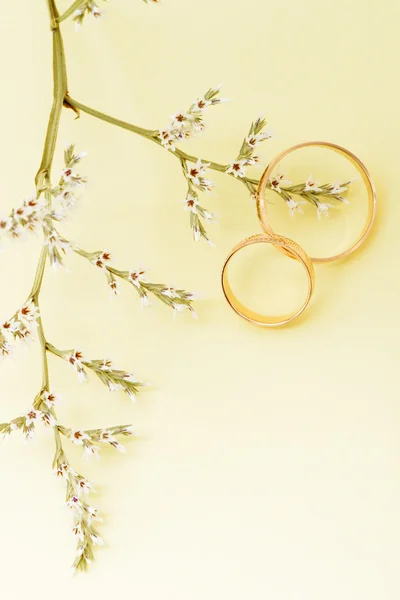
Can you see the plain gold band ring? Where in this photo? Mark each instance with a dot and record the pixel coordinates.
(289, 247)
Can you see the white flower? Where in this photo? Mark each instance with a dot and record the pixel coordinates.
(91, 450)
(115, 444)
(294, 206)
(106, 365)
(202, 103)
(84, 485)
(130, 377)
(170, 292)
(323, 209)
(237, 168)
(66, 199)
(181, 119)
(71, 178)
(311, 185)
(96, 539)
(67, 173)
(78, 437)
(114, 288)
(77, 530)
(29, 313)
(196, 171)
(96, 12)
(5, 224)
(206, 185)
(48, 419)
(9, 327)
(29, 433)
(252, 160)
(144, 301)
(102, 259)
(5, 348)
(267, 134)
(51, 399)
(63, 469)
(278, 180)
(191, 202)
(336, 188)
(53, 241)
(136, 277)
(256, 138)
(32, 416)
(92, 513)
(113, 387)
(74, 502)
(106, 436)
(168, 138)
(76, 360)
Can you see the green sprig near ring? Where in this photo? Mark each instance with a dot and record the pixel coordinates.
(310, 192)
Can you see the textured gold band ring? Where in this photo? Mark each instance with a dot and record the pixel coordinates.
(289, 247)
(356, 162)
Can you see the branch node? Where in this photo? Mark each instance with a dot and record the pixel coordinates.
(67, 104)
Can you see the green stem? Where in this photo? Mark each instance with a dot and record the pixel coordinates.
(147, 133)
(60, 89)
(53, 350)
(43, 175)
(37, 283)
(70, 11)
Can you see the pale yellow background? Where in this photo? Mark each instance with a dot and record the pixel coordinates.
(269, 461)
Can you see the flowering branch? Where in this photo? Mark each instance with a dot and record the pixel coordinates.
(194, 174)
(51, 203)
(177, 299)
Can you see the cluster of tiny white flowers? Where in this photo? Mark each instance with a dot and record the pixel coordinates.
(177, 299)
(114, 379)
(277, 181)
(65, 193)
(34, 214)
(87, 8)
(185, 124)
(294, 206)
(84, 515)
(57, 246)
(79, 488)
(195, 176)
(21, 326)
(28, 217)
(42, 411)
(246, 157)
(196, 181)
(309, 192)
(196, 213)
(88, 439)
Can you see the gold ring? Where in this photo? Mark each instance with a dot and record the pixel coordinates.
(356, 162)
(294, 251)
